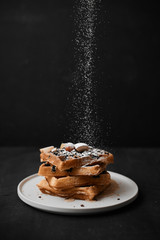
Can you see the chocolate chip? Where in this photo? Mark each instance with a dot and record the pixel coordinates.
(82, 205)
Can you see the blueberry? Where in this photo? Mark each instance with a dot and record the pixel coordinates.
(53, 168)
(46, 164)
(69, 170)
(96, 176)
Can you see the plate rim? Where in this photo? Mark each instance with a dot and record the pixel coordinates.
(69, 210)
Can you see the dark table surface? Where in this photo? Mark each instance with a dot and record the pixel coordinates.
(139, 220)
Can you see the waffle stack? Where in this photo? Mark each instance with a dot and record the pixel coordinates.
(75, 171)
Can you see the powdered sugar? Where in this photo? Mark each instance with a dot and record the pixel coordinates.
(92, 153)
(85, 126)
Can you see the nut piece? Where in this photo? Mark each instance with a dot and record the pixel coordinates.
(81, 147)
(54, 150)
(46, 149)
(69, 147)
(62, 145)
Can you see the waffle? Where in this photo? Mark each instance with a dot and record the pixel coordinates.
(65, 160)
(51, 171)
(78, 181)
(84, 193)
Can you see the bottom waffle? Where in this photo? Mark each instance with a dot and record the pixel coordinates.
(84, 193)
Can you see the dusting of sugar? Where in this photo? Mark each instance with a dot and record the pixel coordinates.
(92, 152)
(84, 120)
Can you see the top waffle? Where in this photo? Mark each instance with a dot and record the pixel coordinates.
(74, 156)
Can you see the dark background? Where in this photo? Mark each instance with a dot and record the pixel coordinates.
(36, 72)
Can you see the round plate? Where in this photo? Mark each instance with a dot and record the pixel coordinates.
(121, 192)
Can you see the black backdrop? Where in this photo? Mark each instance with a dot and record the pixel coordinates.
(36, 71)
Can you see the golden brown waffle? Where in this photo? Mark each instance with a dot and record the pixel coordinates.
(52, 171)
(78, 181)
(65, 160)
(84, 193)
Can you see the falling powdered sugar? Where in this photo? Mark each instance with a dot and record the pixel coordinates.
(85, 124)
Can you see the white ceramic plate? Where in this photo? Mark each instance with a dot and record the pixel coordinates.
(121, 192)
